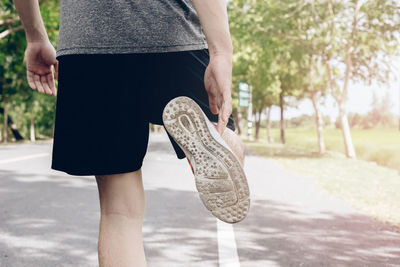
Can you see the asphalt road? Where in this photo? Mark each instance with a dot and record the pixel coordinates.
(49, 218)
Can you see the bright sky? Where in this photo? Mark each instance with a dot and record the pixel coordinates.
(359, 100)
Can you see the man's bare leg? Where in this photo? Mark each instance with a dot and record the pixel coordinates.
(122, 205)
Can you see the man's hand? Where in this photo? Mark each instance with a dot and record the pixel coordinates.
(218, 83)
(213, 17)
(40, 57)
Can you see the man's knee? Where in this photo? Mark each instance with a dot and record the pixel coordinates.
(122, 194)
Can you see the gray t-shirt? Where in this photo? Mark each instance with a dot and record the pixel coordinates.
(128, 26)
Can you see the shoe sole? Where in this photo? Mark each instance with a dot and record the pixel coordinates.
(219, 176)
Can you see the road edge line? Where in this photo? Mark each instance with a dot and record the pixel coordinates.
(227, 249)
(24, 158)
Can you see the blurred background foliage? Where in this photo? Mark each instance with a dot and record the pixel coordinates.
(29, 114)
(287, 50)
(290, 50)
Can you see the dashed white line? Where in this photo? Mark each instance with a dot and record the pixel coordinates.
(227, 250)
(3, 161)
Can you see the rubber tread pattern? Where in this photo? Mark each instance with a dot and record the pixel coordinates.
(219, 176)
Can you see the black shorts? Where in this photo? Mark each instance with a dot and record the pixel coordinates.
(106, 101)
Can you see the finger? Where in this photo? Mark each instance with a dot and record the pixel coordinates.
(209, 85)
(220, 100)
(223, 116)
(38, 84)
(50, 80)
(222, 122)
(56, 69)
(45, 84)
(31, 82)
(213, 100)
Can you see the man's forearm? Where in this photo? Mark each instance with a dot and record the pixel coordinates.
(214, 20)
(29, 12)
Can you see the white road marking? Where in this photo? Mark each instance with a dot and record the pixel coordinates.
(24, 158)
(227, 250)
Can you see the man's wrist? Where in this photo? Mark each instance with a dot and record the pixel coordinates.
(220, 51)
(221, 48)
(34, 36)
(227, 55)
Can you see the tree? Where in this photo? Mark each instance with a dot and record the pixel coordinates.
(361, 37)
(260, 26)
(14, 91)
(319, 47)
(265, 86)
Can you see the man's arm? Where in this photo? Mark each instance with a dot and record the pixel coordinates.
(218, 77)
(29, 12)
(214, 20)
(40, 54)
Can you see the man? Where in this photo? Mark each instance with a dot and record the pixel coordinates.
(120, 65)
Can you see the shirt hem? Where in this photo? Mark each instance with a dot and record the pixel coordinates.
(128, 49)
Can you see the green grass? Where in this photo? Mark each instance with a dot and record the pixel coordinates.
(365, 185)
(378, 145)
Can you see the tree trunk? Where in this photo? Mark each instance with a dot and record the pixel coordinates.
(269, 139)
(1, 133)
(344, 125)
(319, 124)
(12, 126)
(257, 130)
(52, 132)
(318, 118)
(250, 119)
(281, 104)
(32, 129)
(258, 121)
(14, 130)
(341, 98)
(5, 122)
(238, 117)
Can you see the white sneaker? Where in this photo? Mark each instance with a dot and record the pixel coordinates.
(220, 178)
